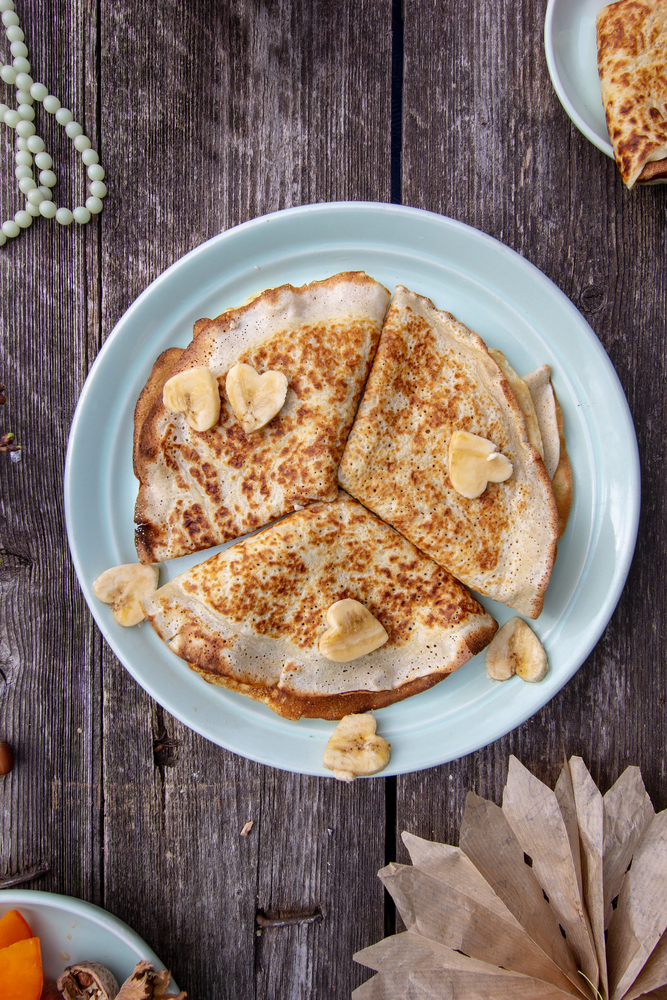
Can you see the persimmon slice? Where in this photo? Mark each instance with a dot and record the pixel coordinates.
(13, 928)
(21, 975)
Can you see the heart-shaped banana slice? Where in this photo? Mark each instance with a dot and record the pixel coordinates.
(255, 399)
(126, 587)
(354, 632)
(474, 462)
(195, 393)
(515, 649)
(354, 748)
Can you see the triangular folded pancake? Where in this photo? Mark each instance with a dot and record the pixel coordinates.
(432, 376)
(198, 489)
(632, 64)
(249, 618)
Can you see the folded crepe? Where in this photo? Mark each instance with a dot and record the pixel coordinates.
(200, 488)
(632, 63)
(249, 618)
(431, 377)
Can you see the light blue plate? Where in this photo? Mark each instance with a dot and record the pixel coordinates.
(70, 930)
(514, 307)
(570, 45)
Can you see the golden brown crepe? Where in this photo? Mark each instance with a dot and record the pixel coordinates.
(432, 376)
(198, 489)
(632, 63)
(249, 618)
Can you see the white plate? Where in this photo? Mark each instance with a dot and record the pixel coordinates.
(514, 307)
(70, 930)
(572, 57)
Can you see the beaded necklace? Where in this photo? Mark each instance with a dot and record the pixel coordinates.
(30, 147)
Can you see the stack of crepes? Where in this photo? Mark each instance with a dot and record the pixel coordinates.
(632, 64)
(557, 894)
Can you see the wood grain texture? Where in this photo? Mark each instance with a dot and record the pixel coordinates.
(50, 697)
(205, 115)
(486, 141)
(213, 114)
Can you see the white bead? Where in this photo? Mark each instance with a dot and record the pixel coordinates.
(51, 104)
(32, 209)
(8, 74)
(23, 170)
(98, 189)
(38, 91)
(73, 129)
(9, 17)
(23, 219)
(10, 228)
(43, 161)
(48, 209)
(35, 196)
(6, 4)
(19, 49)
(23, 159)
(21, 65)
(81, 215)
(64, 217)
(27, 112)
(63, 116)
(48, 178)
(47, 192)
(24, 97)
(89, 156)
(3, 238)
(25, 128)
(35, 144)
(94, 205)
(27, 184)
(14, 33)
(23, 81)
(12, 118)
(22, 144)
(96, 172)
(81, 142)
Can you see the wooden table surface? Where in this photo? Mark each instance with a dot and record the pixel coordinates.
(207, 114)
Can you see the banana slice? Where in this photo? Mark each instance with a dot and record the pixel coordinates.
(515, 649)
(544, 401)
(354, 749)
(474, 462)
(125, 587)
(195, 393)
(354, 632)
(255, 399)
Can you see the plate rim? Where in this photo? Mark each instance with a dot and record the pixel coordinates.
(562, 94)
(91, 911)
(621, 567)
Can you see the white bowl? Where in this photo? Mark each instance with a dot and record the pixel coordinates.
(71, 930)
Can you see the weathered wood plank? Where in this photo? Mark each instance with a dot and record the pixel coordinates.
(213, 114)
(487, 142)
(50, 695)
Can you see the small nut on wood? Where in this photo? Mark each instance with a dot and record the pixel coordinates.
(515, 649)
(126, 587)
(474, 462)
(6, 758)
(194, 392)
(354, 632)
(255, 399)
